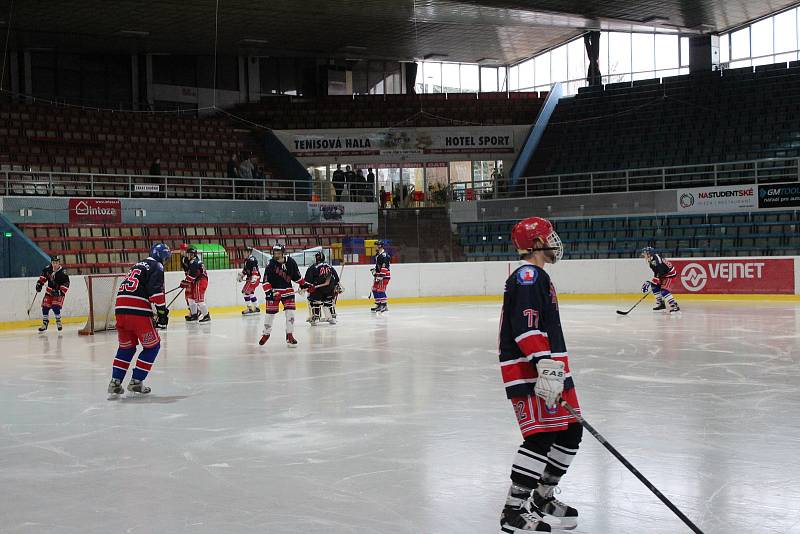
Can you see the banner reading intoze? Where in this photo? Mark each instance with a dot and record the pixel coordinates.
(779, 195)
(735, 276)
(705, 199)
(94, 211)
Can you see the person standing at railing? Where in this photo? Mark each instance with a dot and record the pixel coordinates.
(246, 168)
(359, 192)
(233, 167)
(370, 186)
(338, 181)
(155, 167)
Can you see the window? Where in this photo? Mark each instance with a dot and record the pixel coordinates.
(489, 79)
(451, 78)
(433, 77)
(513, 78)
(667, 52)
(502, 82)
(558, 65)
(761, 38)
(419, 83)
(541, 66)
(684, 51)
(740, 44)
(469, 79)
(526, 78)
(724, 49)
(643, 55)
(619, 60)
(785, 31)
(577, 62)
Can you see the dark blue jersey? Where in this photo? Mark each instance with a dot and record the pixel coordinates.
(143, 285)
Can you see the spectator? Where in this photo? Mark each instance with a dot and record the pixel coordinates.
(370, 186)
(246, 168)
(383, 197)
(155, 167)
(338, 181)
(361, 186)
(233, 167)
(350, 180)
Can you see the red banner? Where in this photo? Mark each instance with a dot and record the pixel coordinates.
(94, 211)
(734, 276)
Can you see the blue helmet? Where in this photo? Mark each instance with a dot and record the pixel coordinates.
(650, 251)
(160, 252)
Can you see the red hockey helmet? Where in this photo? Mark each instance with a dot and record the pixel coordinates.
(528, 231)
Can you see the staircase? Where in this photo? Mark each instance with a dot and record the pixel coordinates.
(422, 235)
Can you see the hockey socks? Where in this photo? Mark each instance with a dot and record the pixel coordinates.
(144, 363)
(121, 363)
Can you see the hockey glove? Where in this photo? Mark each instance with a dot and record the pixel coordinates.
(339, 289)
(240, 277)
(269, 294)
(311, 288)
(162, 313)
(185, 284)
(646, 287)
(39, 287)
(550, 383)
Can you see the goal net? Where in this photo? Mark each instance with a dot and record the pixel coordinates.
(102, 291)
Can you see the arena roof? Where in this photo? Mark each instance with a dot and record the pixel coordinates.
(501, 31)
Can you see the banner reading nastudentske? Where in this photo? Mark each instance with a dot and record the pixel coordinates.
(94, 211)
(735, 276)
(728, 198)
(400, 142)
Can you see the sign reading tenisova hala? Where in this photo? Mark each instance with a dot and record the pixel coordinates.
(735, 276)
(94, 211)
(400, 142)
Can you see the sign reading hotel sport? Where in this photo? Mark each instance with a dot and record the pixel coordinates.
(394, 142)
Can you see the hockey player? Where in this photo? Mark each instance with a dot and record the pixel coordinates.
(57, 281)
(252, 278)
(279, 274)
(381, 275)
(142, 288)
(664, 274)
(187, 291)
(323, 289)
(536, 373)
(195, 283)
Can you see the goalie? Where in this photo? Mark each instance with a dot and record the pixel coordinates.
(323, 290)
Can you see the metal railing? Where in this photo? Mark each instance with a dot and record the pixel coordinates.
(61, 184)
(760, 171)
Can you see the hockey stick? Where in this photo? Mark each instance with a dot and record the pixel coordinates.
(172, 290)
(632, 307)
(31, 306)
(630, 467)
(175, 297)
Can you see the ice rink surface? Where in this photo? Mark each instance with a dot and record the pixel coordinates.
(399, 424)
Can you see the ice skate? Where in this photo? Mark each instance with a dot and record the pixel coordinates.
(191, 317)
(115, 389)
(206, 318)
(674, 308)
(332, 320)
(263, 339)
(383, 308)
(556, 513)
(249, 311)
(660, 306)
(375, 309)
(44, 326)
(137, 386)
(257, 310)
(291, 342)
(59, 327)
(528, 518)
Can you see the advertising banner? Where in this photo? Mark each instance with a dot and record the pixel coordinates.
(94, 211)
(779, 195)
(735, 276)
(400, 142)
(709, 199)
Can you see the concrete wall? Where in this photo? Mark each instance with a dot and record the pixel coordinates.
(408, 280)
(187, 211)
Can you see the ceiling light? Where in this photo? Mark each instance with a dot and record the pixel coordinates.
(435, 56)
(134, 33)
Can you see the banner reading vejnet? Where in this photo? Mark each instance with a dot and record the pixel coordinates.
(94, 211)
(735, 276)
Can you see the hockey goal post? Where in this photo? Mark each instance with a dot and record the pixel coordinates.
(102, 292)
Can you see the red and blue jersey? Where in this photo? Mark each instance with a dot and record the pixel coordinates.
(530, 330)
(382, 271)
(54, 280)
(662, 269)
(143, 286)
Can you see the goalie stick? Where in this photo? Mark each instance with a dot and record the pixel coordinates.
(630, 467)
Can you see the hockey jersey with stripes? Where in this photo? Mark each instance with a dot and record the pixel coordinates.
(530, 330)
(143, 285)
